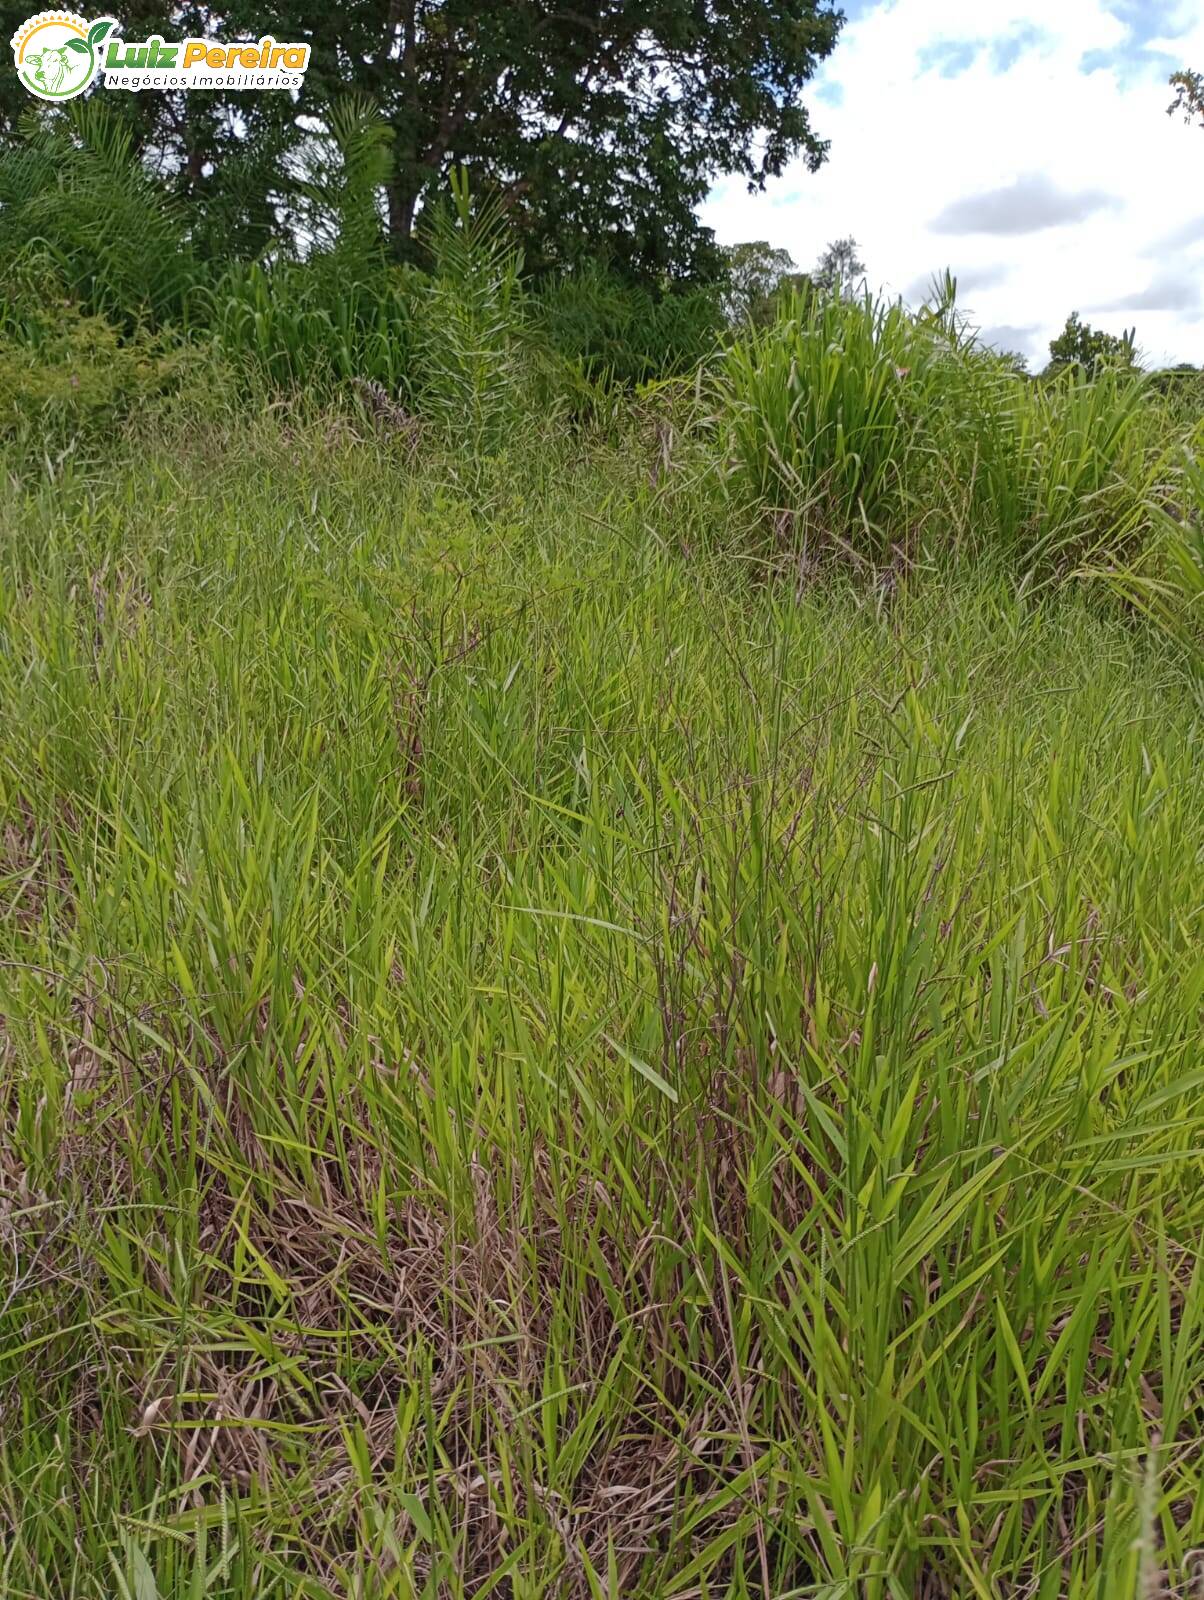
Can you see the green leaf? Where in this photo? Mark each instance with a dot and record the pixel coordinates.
(98, 30)
(644, 1070)
(78, 46)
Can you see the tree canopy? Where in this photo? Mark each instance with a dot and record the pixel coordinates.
(1079, 344)
(840, 271)
(601, 124)
(756, 272)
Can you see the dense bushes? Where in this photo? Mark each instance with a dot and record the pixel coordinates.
(823, 408)
(75, 195)
(623, 333)
(64, 370)
(80, 367)
(322, 304)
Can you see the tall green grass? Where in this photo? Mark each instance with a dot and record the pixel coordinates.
(1046, 472)
(863, 425)
(296, 326)
(620, 334)
(536, 1064)
(823, 407)
(1166, 582)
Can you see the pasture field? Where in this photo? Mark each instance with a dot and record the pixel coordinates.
(551, 1047)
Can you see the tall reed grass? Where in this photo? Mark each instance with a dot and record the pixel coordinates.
(870, 427)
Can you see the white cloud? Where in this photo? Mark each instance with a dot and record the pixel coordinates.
(941, 114)
(1026, 206)
(1182, 237)
(1173, 290)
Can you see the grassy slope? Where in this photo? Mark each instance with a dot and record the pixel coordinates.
(536, 1065)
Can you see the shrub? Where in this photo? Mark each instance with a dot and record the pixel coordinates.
(75, 192)
(623, 334)
(66, 371)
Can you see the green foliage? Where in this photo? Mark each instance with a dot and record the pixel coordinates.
(301, 325)
(603, 128)
(472, 369)
(1081, 345)
(840, 271)
(1046, 473)
(1183, 388)
(822, 409)
(534, 1065)
(467, 340)
(1189, 96)
(851, 420)
(75, 191)
(65, 373)
(1015, 361)
(1167, 584)
(625, 334)
(342, 312)
(335, 198)
(756, 273)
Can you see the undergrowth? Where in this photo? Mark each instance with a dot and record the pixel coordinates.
(541, 1059)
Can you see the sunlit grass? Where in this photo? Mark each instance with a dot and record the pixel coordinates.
(865, 426)
(537, 1063)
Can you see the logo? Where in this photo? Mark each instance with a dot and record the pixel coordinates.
(58, 54)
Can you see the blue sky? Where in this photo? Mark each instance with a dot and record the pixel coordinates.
(1025, 145)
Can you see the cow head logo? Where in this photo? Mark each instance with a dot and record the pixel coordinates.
(59, 53)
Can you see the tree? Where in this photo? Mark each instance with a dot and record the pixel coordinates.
(601, 124)
(839, 270)
(1189, 96)
(1079, 344)
(756, 272)
(1015, 361)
